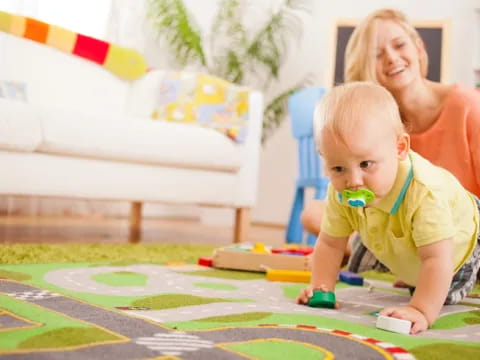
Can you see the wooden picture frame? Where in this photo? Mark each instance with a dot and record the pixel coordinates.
(435, 34)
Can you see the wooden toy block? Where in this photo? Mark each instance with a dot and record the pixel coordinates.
(288, 275)
(393, 324)
(243, 258)
(351, 278)
(322, 299)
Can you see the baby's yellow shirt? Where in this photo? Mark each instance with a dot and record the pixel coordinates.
(426, 204)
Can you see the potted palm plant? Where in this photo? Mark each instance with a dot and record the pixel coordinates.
(252, 58)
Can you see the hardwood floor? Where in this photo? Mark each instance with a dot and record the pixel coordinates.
(95, 229)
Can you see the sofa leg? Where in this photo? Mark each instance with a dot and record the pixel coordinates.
(242, 224)
(135, 222)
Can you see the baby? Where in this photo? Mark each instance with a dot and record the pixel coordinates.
(414, 217)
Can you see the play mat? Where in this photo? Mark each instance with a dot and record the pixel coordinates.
(126, 310)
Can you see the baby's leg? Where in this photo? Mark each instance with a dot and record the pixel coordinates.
(465, 278)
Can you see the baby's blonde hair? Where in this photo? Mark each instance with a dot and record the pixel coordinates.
(344, 105)
(360, 54)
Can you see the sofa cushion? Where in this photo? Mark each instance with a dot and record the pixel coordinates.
(205, 100)
(19, 126)
(136, 140)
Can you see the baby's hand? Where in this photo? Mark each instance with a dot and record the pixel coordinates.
(307, 293)
(419, 322)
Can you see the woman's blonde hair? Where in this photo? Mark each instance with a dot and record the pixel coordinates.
(341, 108)
(360, 54)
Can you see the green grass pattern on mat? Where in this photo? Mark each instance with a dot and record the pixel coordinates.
(235, 318)
(216, 286)
(121, 278)
(274, 349)
(66, 337)
(226, 274)
(138, 253)
(457, 320)
(14, 275)
(49, 322)
(446, 351)
(291, 291)
(172, 301)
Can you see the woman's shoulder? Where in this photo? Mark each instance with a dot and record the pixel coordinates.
(463, 95)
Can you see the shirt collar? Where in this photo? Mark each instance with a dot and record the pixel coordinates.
(392, 201)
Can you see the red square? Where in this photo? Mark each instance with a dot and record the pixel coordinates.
(340, 332)
(306, 327)
(91, 48)
(396, 350)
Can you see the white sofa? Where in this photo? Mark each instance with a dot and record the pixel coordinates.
(86, 133)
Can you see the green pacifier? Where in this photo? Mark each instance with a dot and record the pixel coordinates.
(358, 198)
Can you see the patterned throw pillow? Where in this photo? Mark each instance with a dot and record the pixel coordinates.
(204, 100)
(13, 90)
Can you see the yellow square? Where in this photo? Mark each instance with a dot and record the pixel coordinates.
(61, 38)
(210, 90)
(180, 112)
(18, 25)
(126, 63)
(5, 21)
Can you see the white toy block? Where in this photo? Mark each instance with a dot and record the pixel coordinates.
(393, 324)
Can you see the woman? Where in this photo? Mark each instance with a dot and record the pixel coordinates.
(443, 120)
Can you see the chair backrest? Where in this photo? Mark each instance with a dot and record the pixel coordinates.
(301, 107)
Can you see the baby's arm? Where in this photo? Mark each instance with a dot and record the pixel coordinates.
(436, 273)
(326, 261)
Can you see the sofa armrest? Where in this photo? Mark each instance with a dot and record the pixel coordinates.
(247, 180)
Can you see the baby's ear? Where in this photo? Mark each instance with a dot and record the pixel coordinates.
(403, 146)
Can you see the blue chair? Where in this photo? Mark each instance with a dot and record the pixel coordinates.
(301, 106)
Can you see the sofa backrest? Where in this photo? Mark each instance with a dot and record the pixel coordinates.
(57, 79)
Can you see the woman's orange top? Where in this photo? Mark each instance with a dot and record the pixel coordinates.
(453, 141)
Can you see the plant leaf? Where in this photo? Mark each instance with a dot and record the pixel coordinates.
(171, 19)
(229, 41)
(269, 45)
